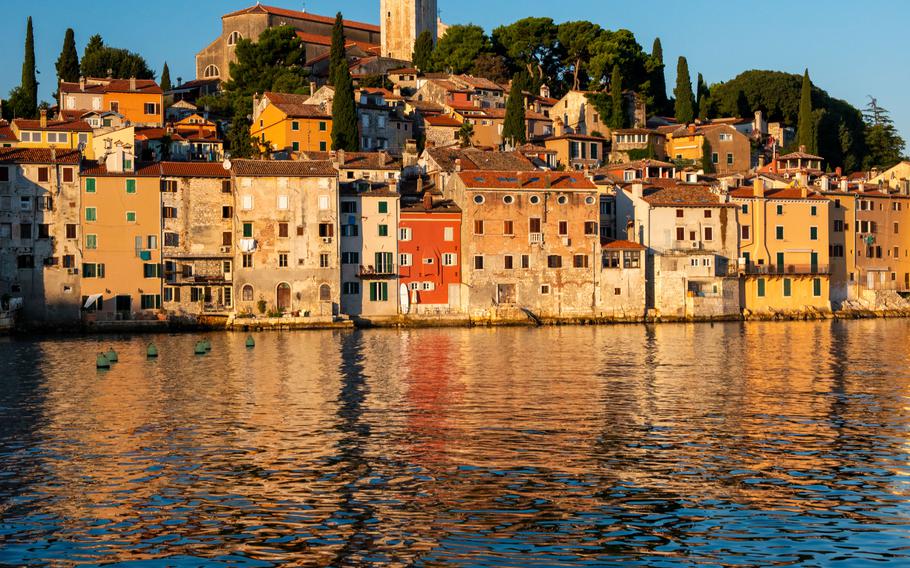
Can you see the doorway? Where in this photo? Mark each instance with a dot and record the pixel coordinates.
(284, 297)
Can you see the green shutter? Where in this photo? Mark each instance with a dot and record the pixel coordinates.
(787, 287)
(813, 233)
(91, 214)
(761, 287)
(91, 241)
(383, 206)
(247, 230)
(817, 287)
(384, 290)
(131, 186)
(373, 291)
(90, 185)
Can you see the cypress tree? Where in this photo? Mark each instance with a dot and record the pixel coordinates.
(618, 112)
(514, 128)
(423, 51)
(805, 129)
(165, 78)
(685, 102)
(702, 105)
(658, 79)
(337, 57)
(28, 102)
(68, 62)
(345, 135)
(707, 161)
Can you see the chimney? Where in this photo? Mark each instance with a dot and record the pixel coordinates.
(803, 191)
(457, 165)
(838, 171)
(43, 120)
(758, 188)
(340, 157)
(802, 148)
(692, 128)
(312, 88)
(905, 187)
(638, 190)
(427, 200)
(630, 231)
(545, 91)
(132, 83)
(761, 160)
(419, 185)
(802, 179)
(844, 186)
(825, 183)
(558, 128)
(82, 84)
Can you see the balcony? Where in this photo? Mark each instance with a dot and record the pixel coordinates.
(535, 238)
(786, 270)
(380, 272)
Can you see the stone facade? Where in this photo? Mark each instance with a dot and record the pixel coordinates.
(621, 281)
(402, 21)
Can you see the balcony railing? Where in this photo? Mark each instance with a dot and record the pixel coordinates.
(787, 269)
(377, 272)
(535, 238)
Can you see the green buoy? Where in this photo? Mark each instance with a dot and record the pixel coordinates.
(200, 348)
(111, 355)
(151, 351)
(250, 342)
(102, 362)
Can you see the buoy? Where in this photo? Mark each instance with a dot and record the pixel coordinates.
(111, 355)
(250, 342)
(102, 361)
(151, 351)
(200, 348)
(208, 344)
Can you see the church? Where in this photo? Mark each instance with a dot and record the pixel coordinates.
(401, 22)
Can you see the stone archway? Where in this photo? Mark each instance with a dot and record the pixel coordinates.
(283, 297)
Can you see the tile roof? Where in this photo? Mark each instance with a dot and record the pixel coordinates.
(622, 245)
(776, 193)
(194, 169)
(146, 86)
(526, 180)
(800, 156)
(671, 193)
(442, 120)
(444, 206)
(473, 159)
(283, 168)
(479, 83)
(98, 169)
(300, 16)
(53, 125)
(575, 137)
(636, 165)
(636, 131)
(357, 160)
(38, 156)
(6, 133)
(295, 106)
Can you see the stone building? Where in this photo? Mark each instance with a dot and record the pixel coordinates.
(197, 238)
(40, 250)
(530, 244)
(383, 126)
(402, 21)
(620, 286)
(286, 239)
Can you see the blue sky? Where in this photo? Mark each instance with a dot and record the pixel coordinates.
(852, 49)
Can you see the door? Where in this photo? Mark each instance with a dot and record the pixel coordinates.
(124, 305)
(870, 280)
(814, 262)
(780, 263)
(454, 296)
(284, 297)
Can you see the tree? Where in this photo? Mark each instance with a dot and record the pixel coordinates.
(619, 48)
(531, 44)
(514, 128)
(577, 39)
(491, 66)
(707, 157)
(465, 134)
(24, 100)
(68, 62)
(658, 81)
(99, 60)
(743, 110)
(618, 117)
(702, 103)
(685, 103)
(885, 146)
(337, 54)
(166, 78)
(423, 51)
(460, 49)
(806, 132)
(345, 135)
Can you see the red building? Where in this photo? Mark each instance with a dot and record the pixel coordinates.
(429, 255)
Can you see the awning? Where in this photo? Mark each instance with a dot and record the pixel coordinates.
(91, 301)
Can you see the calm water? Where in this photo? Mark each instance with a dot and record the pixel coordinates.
(734, 444)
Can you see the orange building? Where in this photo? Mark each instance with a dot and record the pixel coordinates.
(284, 121)
(140, 101)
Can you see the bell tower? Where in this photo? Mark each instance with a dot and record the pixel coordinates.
(402, 21)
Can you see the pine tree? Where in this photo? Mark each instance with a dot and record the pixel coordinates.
(27, 103)
(345, 135)
(423, 51)
(337, 56)
(658, 79)
(685, 102)
(514, 128)
(618, 118)
(806, 128)
(68, 62)
(165, 78)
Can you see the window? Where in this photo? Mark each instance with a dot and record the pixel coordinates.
(91, 242)
(707, 213)
(478, 262)
(283, 231)
(580, 261)
(896, 227)
(92, 270)
(779, 233)
(745, 208)
(590, 228)
(813, 233)
(349, 207)
(787, 287)
(326, 230)
(563, 228)
(761, 287)
(383, 230)
(234, 38)
(67, 175)
(680, 233)
(478, 227)
(404, 259)
(817, 286)
(248, 230)
(383, 206)
(282, 202)
(631, 259)
(562, 200)
(478, 199)
(248, 261)
(404, 234)
(428, 260)
(508, 199)
(151, 270)
(680, 214)
(226, 186)
(246, 202)
(709, 233)
(91, 214)
(813, 211)
(448, 234)
(322, 126)
(131, 186)
(554, 261)
(525, 261)
(25, 230)
(282, 260)
(43, 175)
(70, 231)
(150, 301)
(507, 228)
(295, 126)
(130, 216)
(545, 289)
(534, 199)
(295, 146)
(323, 202)
(169, 212)
(534, 225)
(729, 159)
(89, 185)
(172, 239)
(745, 232)
(227, 211)
(152, 242)
(379, 291)
(350, 288)
(780, 209)
(714, 158)
(449, 259)
(4, 173)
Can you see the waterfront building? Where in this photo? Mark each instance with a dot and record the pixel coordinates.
(621, 281)
(691, 236)
(286, 240)
(784, 248)
(369, 249)
(40, 253)
(286, 122)
(121, 225)
(430, 255)
(530, 243)
(140, 101)
(197, 244)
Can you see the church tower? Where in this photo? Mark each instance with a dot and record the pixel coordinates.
(402, 21)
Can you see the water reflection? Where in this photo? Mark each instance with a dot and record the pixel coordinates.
(750, 444)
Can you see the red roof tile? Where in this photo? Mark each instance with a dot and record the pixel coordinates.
(563, 181)
(146, 86)
(442, 121)
(53, 125)
(301, 16)
(38, 156)
(194, 169)
(623, 245)
(295, 106)
(98, 169)
(283, 168)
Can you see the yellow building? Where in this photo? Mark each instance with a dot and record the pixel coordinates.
(286, 122)
(784, 238)
(140, 101)
(60, 134)
(121, 226)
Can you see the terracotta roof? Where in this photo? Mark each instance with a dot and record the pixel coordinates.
(779, 193)
(194, 169)
(623, 245)
(38, 156)
(473, 159)
(53, 125)
(357, 160)
(575, 137)
(480, 83)
(404, 71)
(294, 106)
(301, 16)
(146, 86)
(526, 180)
(636, 131)
(671, 193)
(801, 156)
(636, 165)
(444, 206)
(442, 120)
(283, 168)
(142, 170)
(426, 106)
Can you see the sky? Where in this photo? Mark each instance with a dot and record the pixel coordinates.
(852, 49)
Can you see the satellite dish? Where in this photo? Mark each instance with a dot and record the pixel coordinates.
(226, 164)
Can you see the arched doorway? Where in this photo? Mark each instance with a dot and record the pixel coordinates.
(325, 293)
(284, 297)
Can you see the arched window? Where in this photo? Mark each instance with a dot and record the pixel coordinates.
(211, 71)
(234, 38)
(325, 293)
(247, 294)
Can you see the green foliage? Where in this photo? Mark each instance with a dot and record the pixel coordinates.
(165, 78)
(642, 154)
(491, 66)
(459, 49)
(514, 128)
(685, 102)
(702, 103)
(619, 48)
(345, 135)
(743, 110)
(707, 163)
(68, 62)
(618, 116)
(885, 147)
(531, 44)
(657, 80)
(24, 98)
(337, 54)
(376, 82)
(423, 51)
(807, 128)
(465, 134)
(98, 59)
(577, 40)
